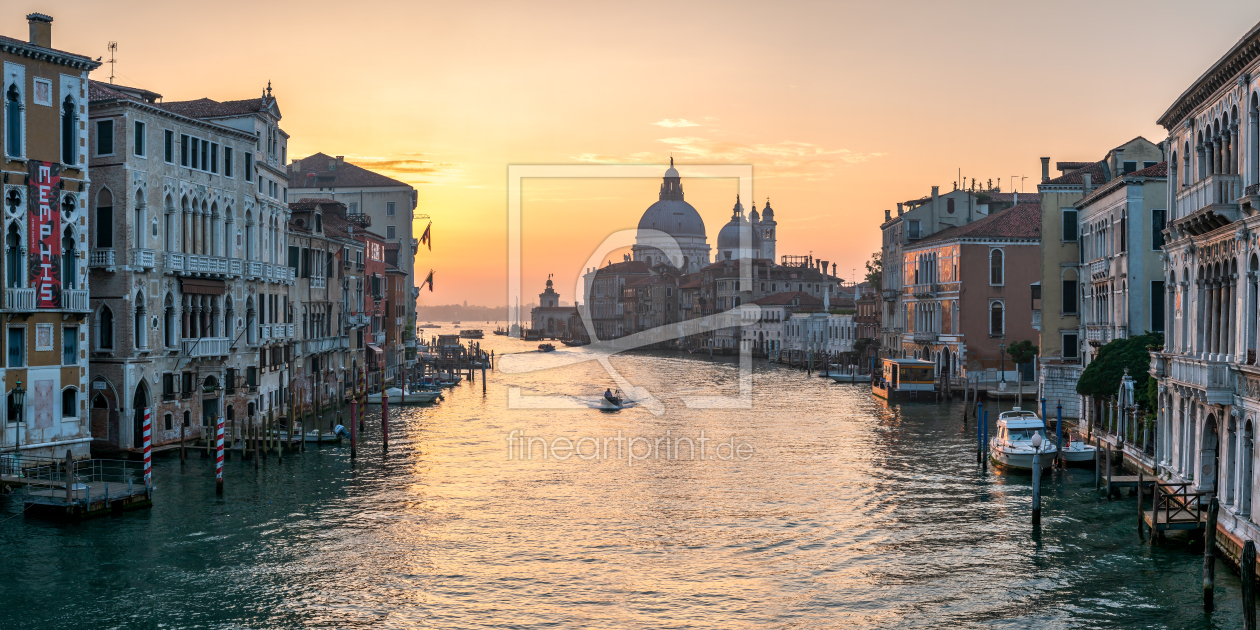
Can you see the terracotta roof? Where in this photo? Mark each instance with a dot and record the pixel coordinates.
(1158, 170)
(631, 266)
(785, 299)
(1096, 174)
(209, 108)
(1010, 197)
(693, 283)
(1070, 166)
(312, 172)
(641, 282)
(1022, 221)
(310, 204)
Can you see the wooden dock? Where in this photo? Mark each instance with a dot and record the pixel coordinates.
(77, 489)
(1175, 506)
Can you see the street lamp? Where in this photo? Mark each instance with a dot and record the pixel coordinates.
(19, 397)
(1002, 353)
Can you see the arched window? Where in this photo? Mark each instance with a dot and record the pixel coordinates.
(69, 403)
(997, 267)
(996, 320)
(13, 257)
(69, 258)
(105, 328)
(167, 421)
(138, 225)
(229, 325)
(13, 121)
(105, 218)
(69, 132)
(138, 323)
(187, 418)
(168, 322)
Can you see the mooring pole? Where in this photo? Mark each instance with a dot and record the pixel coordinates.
(354, 427)
(1209, 555)
(218, 460)
(1036, 484)
(384, 419)
(1058, 431)
(979, 432)
(1248, 565)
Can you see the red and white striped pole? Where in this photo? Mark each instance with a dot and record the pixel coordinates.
(218, 462)
(148, 444)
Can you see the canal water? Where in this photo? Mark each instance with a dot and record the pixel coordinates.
(817, 507)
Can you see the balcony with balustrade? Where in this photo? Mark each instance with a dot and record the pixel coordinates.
(924, 337)
(23, 300)
(143, 259)
(101, 258)
(1208, 204)
(378, 338)
(1098, 334)
(1099, 267)
(1210, 376)
(206, 347)
(325, 344)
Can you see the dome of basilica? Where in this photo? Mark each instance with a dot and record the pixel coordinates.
(671, 214)
(729, 237)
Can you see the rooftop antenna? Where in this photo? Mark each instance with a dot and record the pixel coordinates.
(113, 47)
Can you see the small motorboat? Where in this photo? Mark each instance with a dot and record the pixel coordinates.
(329, 437)
(546, 347)
(472, 333)
(500, 332)
(573, 342)
(1013, 446)
(400, 397)
(612, 401)
(841, 377)
(1077, 451)
(449, 378)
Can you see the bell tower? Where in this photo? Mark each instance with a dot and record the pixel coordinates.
(767, 227)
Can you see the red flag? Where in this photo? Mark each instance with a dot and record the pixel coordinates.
(427, 237)
(428, 280)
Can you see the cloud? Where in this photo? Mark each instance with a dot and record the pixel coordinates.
(782, 159)
(412, 168)
(597, 158)
(676, 122)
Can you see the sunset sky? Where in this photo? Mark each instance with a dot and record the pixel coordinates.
(843, 109)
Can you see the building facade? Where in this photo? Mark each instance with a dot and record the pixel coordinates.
(1208, 381)
(995, 259)
(46, 189)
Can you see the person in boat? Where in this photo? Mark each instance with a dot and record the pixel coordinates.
(608, 395)
(341, 431)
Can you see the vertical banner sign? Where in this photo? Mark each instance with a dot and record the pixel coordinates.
(44, 230)
(148, 456)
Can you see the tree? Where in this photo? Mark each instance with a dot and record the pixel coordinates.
(1022, 352)
(1102, 377)
(875, 269)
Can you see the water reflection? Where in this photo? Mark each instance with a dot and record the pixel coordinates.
(850, 513)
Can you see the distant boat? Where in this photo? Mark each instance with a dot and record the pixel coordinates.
(456, 322)
(472, 333)
(849, 378)
(499, 331)
(573, 342)
(546, 347)
(398, 396)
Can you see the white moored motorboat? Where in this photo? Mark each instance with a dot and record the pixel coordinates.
(841, 377)
(1012, 447)
(399, 397)
(1078, 452)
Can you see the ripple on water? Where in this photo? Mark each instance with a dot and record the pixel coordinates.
(849, 513)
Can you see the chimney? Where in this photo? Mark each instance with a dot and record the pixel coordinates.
(1087, 184)
(936, 192)
(899, 210)
(1045, 169)
(1119, 170)
(888, 215)
(41, 29)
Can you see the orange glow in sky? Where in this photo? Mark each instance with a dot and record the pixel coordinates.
(843, 109)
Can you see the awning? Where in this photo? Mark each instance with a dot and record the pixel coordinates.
(202, 287)
(373, 347)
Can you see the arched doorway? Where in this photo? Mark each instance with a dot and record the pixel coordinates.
(139, 403)
(1208, 456)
